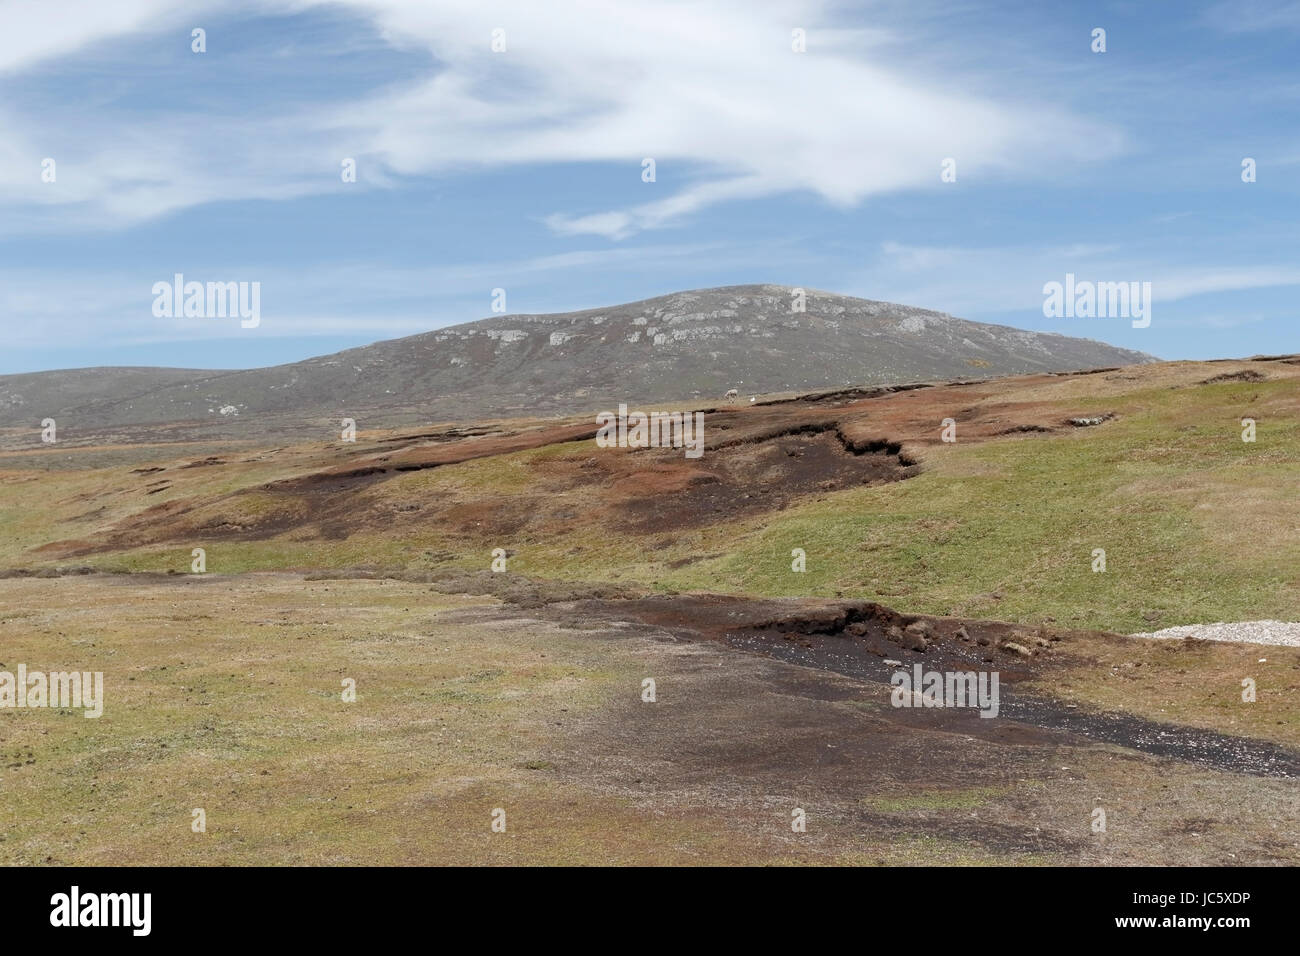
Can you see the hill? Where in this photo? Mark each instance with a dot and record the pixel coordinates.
(688, 346)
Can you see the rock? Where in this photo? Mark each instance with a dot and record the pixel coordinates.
(1017, 649)
(857, 628)
(894, 633)
(983, 640)
(893, 663)
(963, 634)
(916, 635)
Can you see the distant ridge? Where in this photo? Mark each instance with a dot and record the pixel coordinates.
(679, 347)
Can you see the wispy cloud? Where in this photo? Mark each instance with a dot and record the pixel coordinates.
(973, 280)
(34, 33)
(715, 94)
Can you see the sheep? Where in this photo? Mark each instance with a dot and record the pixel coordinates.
(731, 396)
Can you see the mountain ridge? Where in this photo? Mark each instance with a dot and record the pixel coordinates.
(682, 346)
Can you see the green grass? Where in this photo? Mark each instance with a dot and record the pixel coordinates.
(1195, 523)
(1192, 519)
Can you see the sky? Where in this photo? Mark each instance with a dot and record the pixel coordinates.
(502, 146)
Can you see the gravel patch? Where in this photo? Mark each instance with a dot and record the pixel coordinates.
(1285, 633)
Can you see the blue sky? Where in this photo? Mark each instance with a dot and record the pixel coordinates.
(521, 169)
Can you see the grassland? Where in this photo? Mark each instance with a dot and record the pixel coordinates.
(1196, 524)
(224, 690)
(224, 693)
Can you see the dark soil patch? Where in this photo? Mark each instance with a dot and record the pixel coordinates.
(767, 472)
(850, 394)
(1032, 429)
(861, 639)
(1247, 375)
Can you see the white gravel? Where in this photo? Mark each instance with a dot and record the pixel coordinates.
(1285, 633)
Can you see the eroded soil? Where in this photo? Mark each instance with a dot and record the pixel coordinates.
(758, 459)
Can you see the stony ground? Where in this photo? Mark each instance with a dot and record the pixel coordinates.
(1283, 633)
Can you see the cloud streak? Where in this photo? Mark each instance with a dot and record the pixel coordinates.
(714, 94)
(968, 281)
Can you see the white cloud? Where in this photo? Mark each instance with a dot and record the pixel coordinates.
(1185, 284)
(714, 93)
(34, 33)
